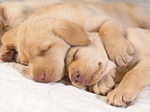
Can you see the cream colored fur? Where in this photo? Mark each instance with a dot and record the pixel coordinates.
(137, 73)
(46, 36)
(90, 62)
(12, 14)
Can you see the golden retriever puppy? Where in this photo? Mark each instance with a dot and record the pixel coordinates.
(84, 68)
(46, 36)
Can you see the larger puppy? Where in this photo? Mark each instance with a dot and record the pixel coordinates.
(84, 70)
(47, 35)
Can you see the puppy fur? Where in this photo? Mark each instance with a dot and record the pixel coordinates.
(12, 14)
(47, 35)
(136, 73)
(86, 65)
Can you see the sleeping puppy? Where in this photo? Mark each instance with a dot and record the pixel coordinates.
(84, 68)
(44, 52)
(47, 35)
(86, 65)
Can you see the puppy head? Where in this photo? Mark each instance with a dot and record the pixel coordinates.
(87, 64)
(43, 42)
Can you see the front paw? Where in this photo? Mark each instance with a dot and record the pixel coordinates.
(121, 52)
(7, 55)
(105, 85)
(121, 97)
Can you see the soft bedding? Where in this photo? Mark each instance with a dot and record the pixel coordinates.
(19, 94)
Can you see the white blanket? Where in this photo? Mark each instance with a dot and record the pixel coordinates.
(19, 94)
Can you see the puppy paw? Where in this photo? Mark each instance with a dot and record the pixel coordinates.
(121, 97)
(7, 55)
(105, 85)
(120, 52)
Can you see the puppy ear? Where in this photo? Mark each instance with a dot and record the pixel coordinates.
(9, 38)
(70, 58)
(70, 55)
(72, 33)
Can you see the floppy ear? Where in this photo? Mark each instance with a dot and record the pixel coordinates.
(9, 38)
(70, 58)
(71, 32)
(70, 55)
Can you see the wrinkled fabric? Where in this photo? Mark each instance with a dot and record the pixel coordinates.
(19, 94)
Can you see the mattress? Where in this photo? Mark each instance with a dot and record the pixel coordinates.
(19, 94)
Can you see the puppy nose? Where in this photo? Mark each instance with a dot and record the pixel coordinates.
(76, 77)
(39, 77)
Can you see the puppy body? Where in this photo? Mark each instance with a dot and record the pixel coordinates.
(136, 73)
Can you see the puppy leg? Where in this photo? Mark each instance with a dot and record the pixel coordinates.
(9, 39)
(133, 82)
(118, 48)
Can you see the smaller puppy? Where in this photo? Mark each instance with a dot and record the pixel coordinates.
(90, 66)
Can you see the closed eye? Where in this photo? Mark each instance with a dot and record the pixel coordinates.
(43, 52)
(75, 55)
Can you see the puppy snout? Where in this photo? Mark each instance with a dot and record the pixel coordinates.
(39, 78)
(76, 77)
(79, 80)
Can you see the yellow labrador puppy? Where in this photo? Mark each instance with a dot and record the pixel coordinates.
(87, 65)
(46, 60)
(43, 40)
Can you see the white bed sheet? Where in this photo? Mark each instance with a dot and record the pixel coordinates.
(19, 94)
